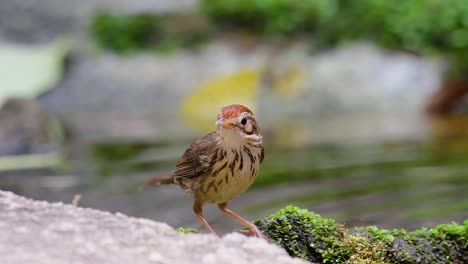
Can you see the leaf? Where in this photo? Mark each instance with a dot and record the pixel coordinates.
(200, 108)
(26, 71)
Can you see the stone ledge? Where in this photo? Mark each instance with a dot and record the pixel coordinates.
(41, 232)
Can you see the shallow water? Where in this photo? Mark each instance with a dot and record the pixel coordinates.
(417, 176)
(391, 184)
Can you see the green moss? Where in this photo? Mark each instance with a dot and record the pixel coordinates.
(302, 233)
(441, 244)
(187, 230)
(309, 236)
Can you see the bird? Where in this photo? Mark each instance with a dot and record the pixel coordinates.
(221, 165)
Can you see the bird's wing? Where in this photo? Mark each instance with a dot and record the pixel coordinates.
(199, 158)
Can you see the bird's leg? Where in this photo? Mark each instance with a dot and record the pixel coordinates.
(197, 209)
(253, 229)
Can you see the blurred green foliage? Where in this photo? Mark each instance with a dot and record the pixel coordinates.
(270, 16)
(419, 26)
(125, 33)
(423, 26)
(163, 33)
(428, 25)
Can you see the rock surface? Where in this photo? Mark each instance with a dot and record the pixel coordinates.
(24, 127)
(42, 232)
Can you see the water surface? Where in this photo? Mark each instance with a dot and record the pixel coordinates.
(391, 184)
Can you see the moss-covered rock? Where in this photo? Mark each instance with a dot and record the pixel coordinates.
(309, 236)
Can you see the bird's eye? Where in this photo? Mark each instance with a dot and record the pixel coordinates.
(244, 121)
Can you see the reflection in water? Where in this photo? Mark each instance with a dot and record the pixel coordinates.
(393, 184)
(398, 184)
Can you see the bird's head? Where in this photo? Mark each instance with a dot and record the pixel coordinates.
(239, 119)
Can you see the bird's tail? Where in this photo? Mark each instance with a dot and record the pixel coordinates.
(163, 179)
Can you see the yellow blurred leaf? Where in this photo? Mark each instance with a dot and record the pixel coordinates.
(199, 109)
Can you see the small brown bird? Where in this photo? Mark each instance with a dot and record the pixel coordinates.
(221, 165)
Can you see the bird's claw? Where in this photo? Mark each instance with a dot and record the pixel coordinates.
(255, 232)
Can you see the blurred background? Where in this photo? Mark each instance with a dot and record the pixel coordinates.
(362, 104)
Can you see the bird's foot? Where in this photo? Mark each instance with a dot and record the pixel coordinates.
(255, 232)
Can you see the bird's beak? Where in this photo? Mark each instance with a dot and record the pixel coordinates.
(224, 123)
